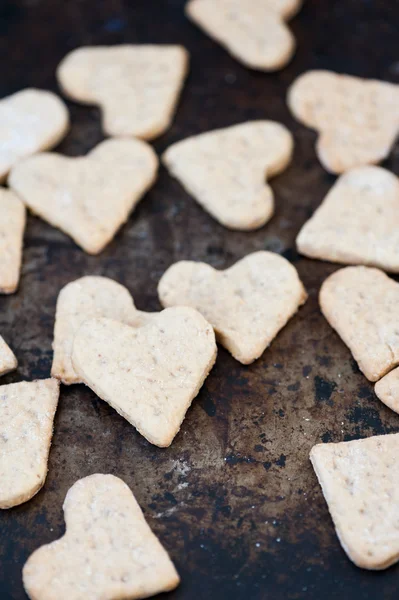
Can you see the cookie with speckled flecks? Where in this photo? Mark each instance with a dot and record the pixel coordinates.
(27, 412)
(358, 221)
(108, 551)
(12, 227)
(357, 119)
(30, 121)
(253, 31)
(247, 304)
(149, 374)
(87, 298)
(360, 482)
(137, 87)
(362, 305)
(387, 390)
(89, 197)
(226, 170)
(8, 361)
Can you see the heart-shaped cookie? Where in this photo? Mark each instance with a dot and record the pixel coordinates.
(27, 412)
(149, 374)
(225, 170)
(359, 480)
(89, 197)
(358, 221)
(30, 121)
(247, 304)
(88, 298)
(137, 87)
(253, 31)
(357, 119)
(8, 361)
(362, 305)
(12, 228)
(107, 552)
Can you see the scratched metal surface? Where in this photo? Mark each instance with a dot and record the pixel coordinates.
(234, 499)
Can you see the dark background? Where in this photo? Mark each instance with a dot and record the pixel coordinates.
(234, 499)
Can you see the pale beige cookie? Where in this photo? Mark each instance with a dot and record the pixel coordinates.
(88, 298)
(151, 374)
(226, 170)
(358, 221)
(362, 305)
(27, 412)
(137, 87)
(30, 121)
(89, 197)
(360, 482)
(253, 31)
(247, 304)
(107, 553)
(8, 361)
(12, 227)
(387, 390)
(357, 119)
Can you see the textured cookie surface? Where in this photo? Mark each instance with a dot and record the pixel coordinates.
(253, 31)
(30, 121)
(108, 551)
(362, 305)
(12, 227)
(358, 221)
(360, 482)
(89, 197)
(137, 87)
(149, 374)
(226, 170)
(357, 119)
(27, 412)
(88, 298)
(8, 361)
(247, 304)
(387, 390)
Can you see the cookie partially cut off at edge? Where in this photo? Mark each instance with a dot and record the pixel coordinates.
(8, 361)
(253, 31)
(360, 482)
(357, 222)
(136, 86)
(107, 552)
(27, 412)
(88, 298)
(30, 121)
(150, 374)
(89, 197)
(357, 119)
(12, 228)
(226, 170)
(247, 304)
(362, 305)
(387, 390)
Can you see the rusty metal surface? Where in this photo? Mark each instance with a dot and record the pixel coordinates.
(234, 499)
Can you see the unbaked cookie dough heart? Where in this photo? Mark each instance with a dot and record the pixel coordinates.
(137, 87)
(27, 412)
(247, 304)
(12, 228)
(89, 197)
(253, 31)
(226, 170)
(357, 119)
(30, 121)
(360, 482)
(150, 374)
(8, 361)
(88, 298)
(362, 305)
(107, 552)
(357, 222)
